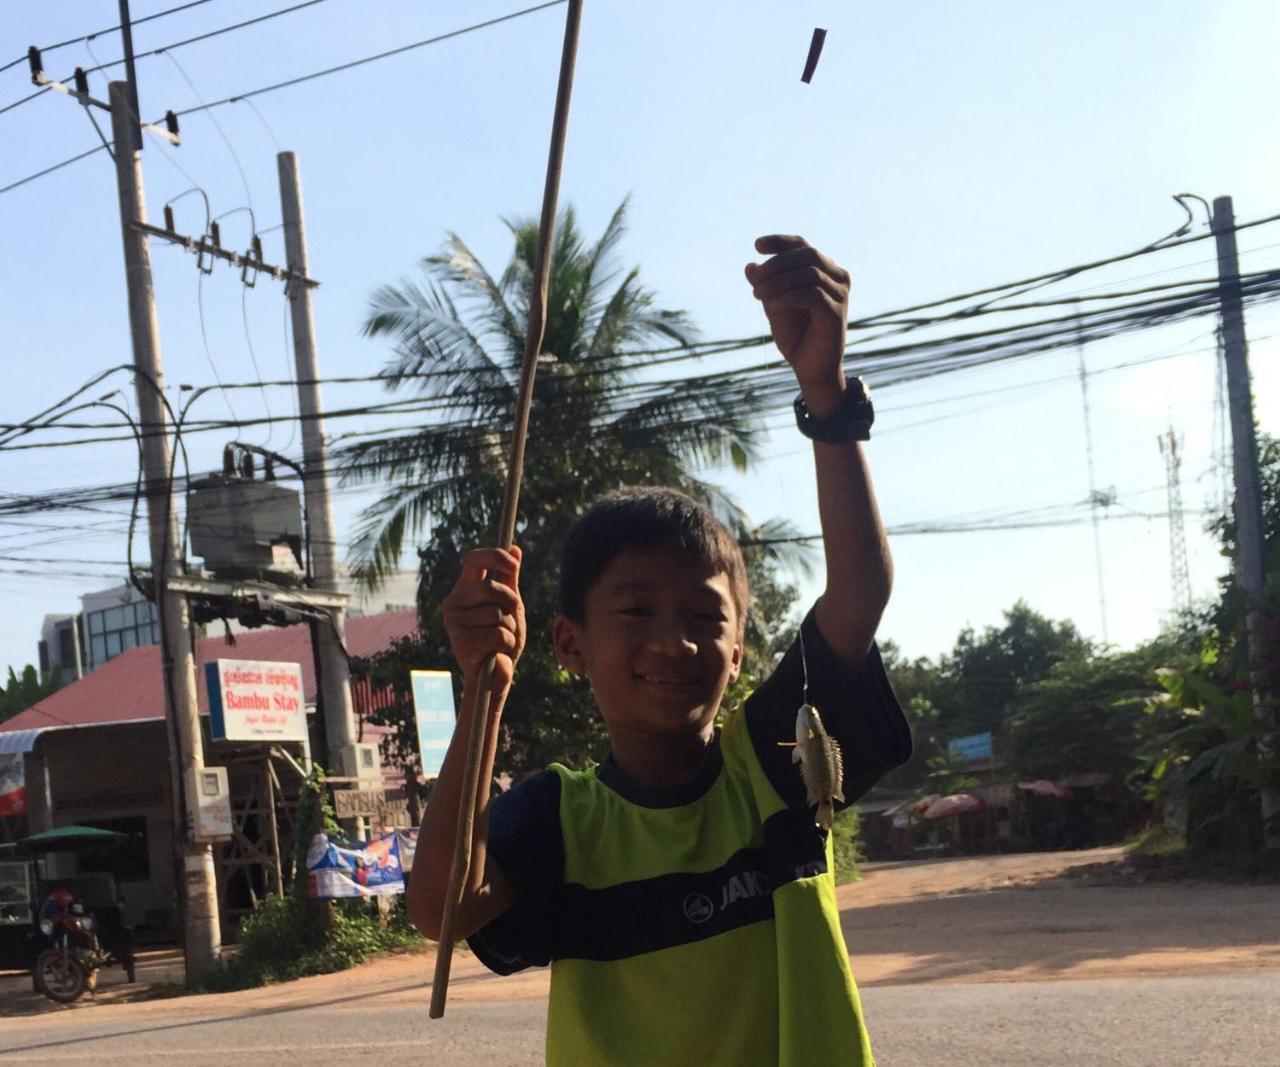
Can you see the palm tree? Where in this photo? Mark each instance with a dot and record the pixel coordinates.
(597, 420)
(601, 417)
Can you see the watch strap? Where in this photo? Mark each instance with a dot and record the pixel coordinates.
(851, 421)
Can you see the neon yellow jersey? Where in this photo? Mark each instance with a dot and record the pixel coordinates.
(696, 925)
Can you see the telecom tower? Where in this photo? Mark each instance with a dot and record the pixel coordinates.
(1179, 573)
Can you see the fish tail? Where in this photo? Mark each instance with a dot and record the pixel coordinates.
(826, 814)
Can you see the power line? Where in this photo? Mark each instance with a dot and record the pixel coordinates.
(767, 384)
(373, 58)
(920, 529)
(292, 81)
(109, 29)
(49, 170)
(165, 49)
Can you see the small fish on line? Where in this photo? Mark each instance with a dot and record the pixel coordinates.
(821, 764)
(815, 50)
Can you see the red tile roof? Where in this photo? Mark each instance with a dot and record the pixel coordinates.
(129, 687)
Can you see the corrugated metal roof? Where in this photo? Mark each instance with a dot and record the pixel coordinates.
(130, 687)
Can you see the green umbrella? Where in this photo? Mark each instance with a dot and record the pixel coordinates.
(71, 837)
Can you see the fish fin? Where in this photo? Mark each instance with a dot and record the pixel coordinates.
(837, 758)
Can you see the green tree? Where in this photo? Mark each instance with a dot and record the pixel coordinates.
(986, 672)
(1088, 713)
(22, 692)
(597, 423)
(974, 688)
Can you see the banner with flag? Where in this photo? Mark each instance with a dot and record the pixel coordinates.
(371, 869)
(13, 785)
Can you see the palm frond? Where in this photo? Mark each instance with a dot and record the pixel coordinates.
(698, 421)
(434, 348)
(456, 266)
(776, 540)
(597, 273)
(402, 513)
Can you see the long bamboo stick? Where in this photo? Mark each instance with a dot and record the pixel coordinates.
(470, 799)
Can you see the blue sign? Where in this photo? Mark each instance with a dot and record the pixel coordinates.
(972, 748)
(434, 713)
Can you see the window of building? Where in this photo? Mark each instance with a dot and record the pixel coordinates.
(118, 629)
(67, 649)
(15, 893)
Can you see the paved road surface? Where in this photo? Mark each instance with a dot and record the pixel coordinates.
(1223, 1021)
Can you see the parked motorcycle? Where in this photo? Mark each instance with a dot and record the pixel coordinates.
(69, 966)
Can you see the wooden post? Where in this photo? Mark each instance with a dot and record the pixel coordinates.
(269, 795)
(470, 797)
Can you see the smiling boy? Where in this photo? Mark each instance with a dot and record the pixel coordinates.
(681, 890)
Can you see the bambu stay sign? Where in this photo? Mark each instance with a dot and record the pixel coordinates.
(250, 700)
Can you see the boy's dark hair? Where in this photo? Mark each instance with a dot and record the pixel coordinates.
(644, 518)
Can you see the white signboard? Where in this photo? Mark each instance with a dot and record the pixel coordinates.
(251, 700)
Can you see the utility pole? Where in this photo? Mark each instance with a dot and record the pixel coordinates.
(1250, 561)
(335, 681)
(197, 890)
(1096, 499)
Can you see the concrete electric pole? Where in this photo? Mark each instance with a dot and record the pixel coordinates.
(1250, 561)
(335, 682)
(197, 891)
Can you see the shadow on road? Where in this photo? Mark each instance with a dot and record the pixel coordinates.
(1047, 929)
(302, 1004)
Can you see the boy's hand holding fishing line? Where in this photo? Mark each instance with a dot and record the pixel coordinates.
(806, 298)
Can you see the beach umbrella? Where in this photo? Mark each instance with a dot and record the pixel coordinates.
(956, 804)
(1042, 787)
(65, 838)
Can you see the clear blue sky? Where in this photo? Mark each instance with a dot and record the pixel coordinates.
(940, 147)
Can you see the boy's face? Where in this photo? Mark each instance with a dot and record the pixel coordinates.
(659, 641)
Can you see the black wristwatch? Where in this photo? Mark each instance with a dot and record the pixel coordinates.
(851, 421)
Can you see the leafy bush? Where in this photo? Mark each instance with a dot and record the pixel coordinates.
(1206, 751)
(282, 941)
(293, 936)
(848, 846)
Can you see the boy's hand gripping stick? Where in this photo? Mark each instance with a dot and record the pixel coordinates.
(470, 798)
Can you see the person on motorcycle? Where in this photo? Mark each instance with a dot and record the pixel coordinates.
(57, 904)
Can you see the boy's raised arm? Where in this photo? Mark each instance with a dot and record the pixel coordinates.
(806, 298)
(483, 615)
